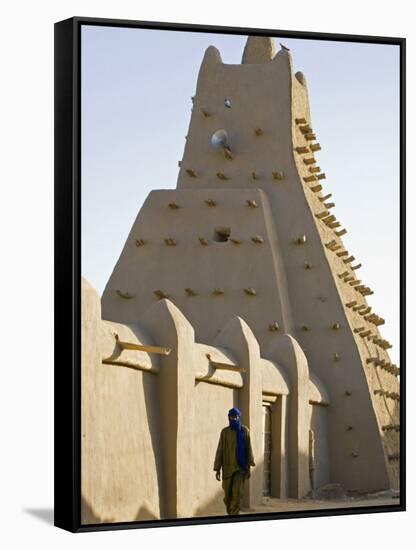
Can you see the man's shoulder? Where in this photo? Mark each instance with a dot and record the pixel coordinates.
(228, 429)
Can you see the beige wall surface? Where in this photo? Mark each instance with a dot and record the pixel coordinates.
(120, 450)
(141, 270)
(212, 403)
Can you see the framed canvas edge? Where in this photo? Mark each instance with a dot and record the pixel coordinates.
(67, 486)
(67, 272)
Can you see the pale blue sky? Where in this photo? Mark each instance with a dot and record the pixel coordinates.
(136, 89)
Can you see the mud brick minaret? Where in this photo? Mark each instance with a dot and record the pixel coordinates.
(251, 231)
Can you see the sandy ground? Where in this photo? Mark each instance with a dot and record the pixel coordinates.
(289, 505)
(384, 498)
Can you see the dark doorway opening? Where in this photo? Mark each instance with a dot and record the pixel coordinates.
(267, 449)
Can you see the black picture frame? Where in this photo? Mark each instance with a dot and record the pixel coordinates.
(67, 386)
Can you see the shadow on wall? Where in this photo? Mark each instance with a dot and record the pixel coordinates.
(215, 506)
(144, 514)
(154, 422)
(89, 516)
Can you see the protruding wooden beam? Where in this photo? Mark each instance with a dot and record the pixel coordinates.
(300, 120)
(170, 242)
(387, 427)
(315, 147)
(394, 456)
(349, 259)
(364, 290)
(321, 176)
(222, 176)
(316, 188)
(328, 196)
(227, 153)
(203, 241)
(211, 202)
(218, 291)
(140, 242)
(367, 292)
(342, 253)
(141, 347)
(379, 321)
(309, 136)
(160, 294)
(340, 233)
(257, 239)
(125, 295)
(250, 291)
(305, 129)
(302, 150)
(224, 366)
(308, 179)
(173, 206)
(279, 176)
(332, 225)
(309, 160)
(251, 203)
(356, 267)
(329, 205)
(258, 132)
(190, 292)
(322, 214)
(191, 173)
(274, 327)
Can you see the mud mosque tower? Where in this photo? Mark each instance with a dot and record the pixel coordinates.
(250, 237)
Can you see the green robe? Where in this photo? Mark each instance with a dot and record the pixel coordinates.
(226, 455)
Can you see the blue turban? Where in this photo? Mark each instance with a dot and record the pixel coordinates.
(241, 446)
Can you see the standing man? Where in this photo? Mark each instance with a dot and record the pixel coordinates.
(235, 456)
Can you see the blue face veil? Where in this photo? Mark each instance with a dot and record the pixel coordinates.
(241, 445)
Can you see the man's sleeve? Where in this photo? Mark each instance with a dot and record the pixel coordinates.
(250, 458)
(218, 455)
